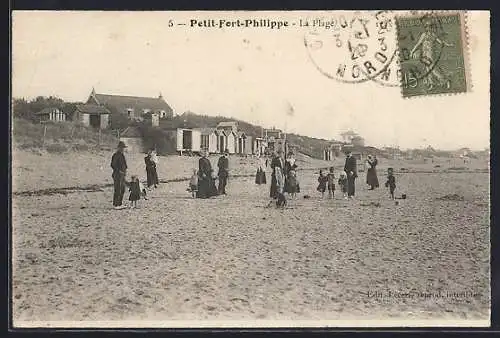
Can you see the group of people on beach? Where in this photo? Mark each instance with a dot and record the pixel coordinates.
(284, 181)
(135, 186)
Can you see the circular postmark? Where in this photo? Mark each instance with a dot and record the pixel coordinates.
(353, 47)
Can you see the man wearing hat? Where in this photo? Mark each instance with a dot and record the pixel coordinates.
(119, 165)
(351, 171)
(223, 165)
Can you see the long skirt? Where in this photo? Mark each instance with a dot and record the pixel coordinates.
(260, 177)
(152, 176)
(273, 193)
(371, 178)
(206, 188)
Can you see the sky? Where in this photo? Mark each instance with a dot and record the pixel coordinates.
(253, 74)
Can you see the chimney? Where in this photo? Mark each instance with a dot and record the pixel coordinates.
(160, 96)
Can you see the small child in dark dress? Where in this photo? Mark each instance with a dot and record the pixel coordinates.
(331, 183)
(292, 184)
(135, 191)
(391, 182)
(322, 180)
(343, 183)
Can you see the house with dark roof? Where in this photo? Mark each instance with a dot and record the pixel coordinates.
(51, 114)
(92, 115)
(134, 107)
(132, 137)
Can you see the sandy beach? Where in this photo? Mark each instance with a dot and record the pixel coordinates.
(231, 258)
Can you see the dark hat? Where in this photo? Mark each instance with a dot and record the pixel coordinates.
(121, 144)
(226, 151)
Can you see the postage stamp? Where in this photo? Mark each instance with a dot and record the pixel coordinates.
(432, 53)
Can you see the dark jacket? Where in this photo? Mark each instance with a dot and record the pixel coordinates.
(118, 163)
(205, 167)
(223, 165)
(350, 165)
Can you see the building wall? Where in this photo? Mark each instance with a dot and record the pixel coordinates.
(85, 119)
(104, 121)
(212, 143)
(134, 144)
(196, 141)
(248, 145)
(155, 120)
(230, 143)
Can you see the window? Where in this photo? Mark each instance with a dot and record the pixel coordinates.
(130, 112)
(162, 113)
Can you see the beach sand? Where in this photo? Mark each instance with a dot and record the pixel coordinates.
(232, 258)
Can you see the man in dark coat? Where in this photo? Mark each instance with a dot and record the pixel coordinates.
(119, 166)
(223, 174)
(277, 161)
(205, 180)
(350, 168)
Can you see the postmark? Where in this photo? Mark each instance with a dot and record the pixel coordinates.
(432, 53)
(357, 47)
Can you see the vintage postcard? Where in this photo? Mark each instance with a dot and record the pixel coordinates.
(250, 169)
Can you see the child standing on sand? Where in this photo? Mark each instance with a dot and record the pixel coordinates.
(331, 183)
(343, 183)
(292, 184)
(391, 182)
(193, 183)
(322, 180)
(135, 191)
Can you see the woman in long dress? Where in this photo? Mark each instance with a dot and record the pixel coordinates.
(371, 172)
(150, 170)
(205, 173)
(277, 161)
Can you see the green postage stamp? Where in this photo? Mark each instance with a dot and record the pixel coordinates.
(432, 52)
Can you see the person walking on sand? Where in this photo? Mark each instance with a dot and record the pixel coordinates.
(119, 166)
(223, 174)
(343, 183)
(151, 175)
(371, 172)
(276, 162)
(322, 182)
(193, 183)
(391, 182)
(351, 171)
(331, 183)
(205, 180)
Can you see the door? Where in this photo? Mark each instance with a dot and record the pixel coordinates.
(187, 140)
(221, 144)
(95, 121)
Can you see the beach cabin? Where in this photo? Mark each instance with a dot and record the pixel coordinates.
(241, 143)
(186, 140)
(230, 141)
(92, 115)
(209, 139)
(248, 150)
(51, 114)
(259, 146)
(132, 137)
